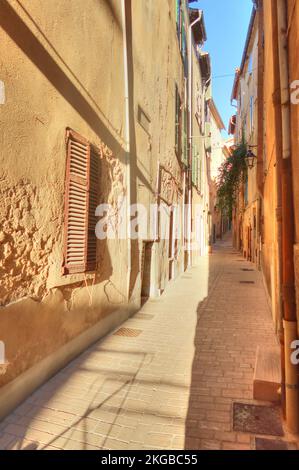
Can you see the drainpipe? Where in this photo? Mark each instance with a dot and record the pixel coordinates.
(260, 96)
(278, 171)
(190, 100)
(127, 144)
(288, 273)
(183, 217)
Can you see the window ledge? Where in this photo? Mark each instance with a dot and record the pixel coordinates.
(57, 279)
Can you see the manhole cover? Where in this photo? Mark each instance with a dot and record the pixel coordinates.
(247, 282)
(129, 332)
(144, 316)
(270, 444)
(257, 419)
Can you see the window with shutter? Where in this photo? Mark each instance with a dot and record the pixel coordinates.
(178, 19)
(81, 199)
(178, 122)
(185, 136)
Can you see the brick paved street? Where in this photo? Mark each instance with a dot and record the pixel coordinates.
(171, 387)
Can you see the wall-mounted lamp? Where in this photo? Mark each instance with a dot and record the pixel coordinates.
(250, 159)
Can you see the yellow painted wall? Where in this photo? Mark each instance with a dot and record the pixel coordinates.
(62, 66)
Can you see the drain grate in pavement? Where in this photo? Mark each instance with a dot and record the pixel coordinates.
(257, 419)
(247, 270)
(270, 444)
(128, 332)
(144, 316)
(247, 282)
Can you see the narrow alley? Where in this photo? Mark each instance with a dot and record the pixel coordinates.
(167, 378)
(149, 230)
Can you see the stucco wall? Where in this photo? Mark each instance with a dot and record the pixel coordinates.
(270, 258)
(247, 121)
(60, 71)
(293, 19)
(157, 68)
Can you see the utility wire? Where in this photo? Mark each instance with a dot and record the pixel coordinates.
(228, 74)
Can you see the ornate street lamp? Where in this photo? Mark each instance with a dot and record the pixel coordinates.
(250, 159)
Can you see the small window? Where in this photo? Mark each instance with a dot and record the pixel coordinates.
(184, 48)
(143, 119)
(246, 191)
(250, 65)
(185, 137)
(178, 13)
(251, 114)
(178, 122)
(81, 200)
(240, 101)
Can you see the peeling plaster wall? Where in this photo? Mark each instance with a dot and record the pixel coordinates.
(200, 195)
(59, 71)
(26, 242)
(156, 72)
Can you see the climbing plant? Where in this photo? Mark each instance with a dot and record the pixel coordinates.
(231, 173)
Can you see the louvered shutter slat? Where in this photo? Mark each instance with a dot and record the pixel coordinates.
(93, 202)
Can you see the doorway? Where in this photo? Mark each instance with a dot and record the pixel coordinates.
(146, 268)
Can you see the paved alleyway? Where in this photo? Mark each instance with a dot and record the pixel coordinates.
(170, 387)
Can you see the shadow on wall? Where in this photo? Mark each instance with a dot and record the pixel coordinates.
(134, 171)
(39, 318)
(23, 37)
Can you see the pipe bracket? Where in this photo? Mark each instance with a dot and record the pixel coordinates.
(292, 386)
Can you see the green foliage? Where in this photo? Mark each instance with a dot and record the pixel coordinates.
(231, 173)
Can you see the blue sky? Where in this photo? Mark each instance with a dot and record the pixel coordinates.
(227, 24)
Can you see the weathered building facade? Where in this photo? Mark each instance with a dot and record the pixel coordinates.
(94, 121)
(217, 157)
(245, 95)
(265, 217)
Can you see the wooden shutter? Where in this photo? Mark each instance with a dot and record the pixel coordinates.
(185, 136)
(178, 122)
(81, 184)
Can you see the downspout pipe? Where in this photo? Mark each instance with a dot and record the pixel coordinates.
(288, 271)
(127, 145)
(278, 171)
(190, 106)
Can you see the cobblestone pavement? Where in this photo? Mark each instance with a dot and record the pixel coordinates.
(171, 387)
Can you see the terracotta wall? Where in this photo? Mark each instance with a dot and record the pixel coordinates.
(293, 36)
(271, 203)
